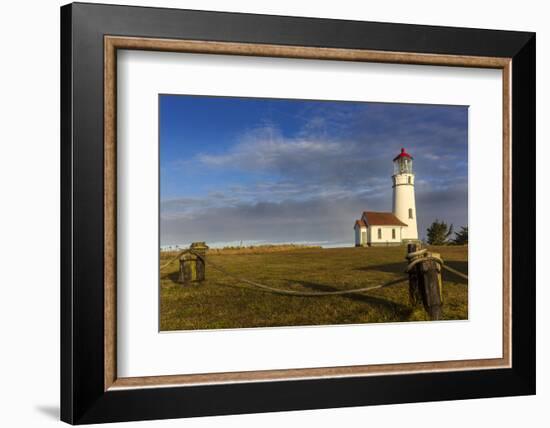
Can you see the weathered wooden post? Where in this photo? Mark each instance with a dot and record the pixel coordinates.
(425, 281)
(192, 268)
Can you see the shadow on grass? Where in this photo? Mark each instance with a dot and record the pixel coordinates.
(399, 309)
(234, 284)
(173, 276)
(399, 268)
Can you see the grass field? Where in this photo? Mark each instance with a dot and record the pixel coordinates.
(221, 302)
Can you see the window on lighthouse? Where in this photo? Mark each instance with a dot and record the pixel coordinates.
(410, 213)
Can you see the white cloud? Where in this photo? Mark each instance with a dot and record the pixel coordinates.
(310, 185)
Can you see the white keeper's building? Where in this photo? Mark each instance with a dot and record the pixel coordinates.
(396, 227)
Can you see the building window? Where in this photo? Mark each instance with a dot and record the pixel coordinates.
(410, 179)
(410, 213)
(393, 234)
(379, 233)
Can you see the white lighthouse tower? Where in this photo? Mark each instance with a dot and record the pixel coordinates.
(404, 206)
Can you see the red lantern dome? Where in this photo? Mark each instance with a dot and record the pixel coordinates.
(403, 154)
(402, 163)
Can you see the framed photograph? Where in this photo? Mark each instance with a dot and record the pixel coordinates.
(267, 213)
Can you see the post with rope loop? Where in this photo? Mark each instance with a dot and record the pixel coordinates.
(425, 286)
(192, 267)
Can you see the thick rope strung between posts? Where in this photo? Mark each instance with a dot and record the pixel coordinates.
(413, 258)
(303, 293)
(172, 260)
(423, 255)
(285, 292)
(460, 274)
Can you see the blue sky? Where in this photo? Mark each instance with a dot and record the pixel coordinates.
(270, 170)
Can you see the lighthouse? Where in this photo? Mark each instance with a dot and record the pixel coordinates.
(376, 228)
(404, 206)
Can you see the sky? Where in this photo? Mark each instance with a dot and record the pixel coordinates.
(280, 171)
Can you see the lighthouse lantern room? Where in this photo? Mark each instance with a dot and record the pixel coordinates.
(403, 163)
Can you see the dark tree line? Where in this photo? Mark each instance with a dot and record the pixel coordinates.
(439, 233)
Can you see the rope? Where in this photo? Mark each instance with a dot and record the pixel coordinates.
(278, 290)
(302, 293)
(414, 262)
(460, 274)
(417, 253)
(414, 258)
(423, 255)
(172, 260)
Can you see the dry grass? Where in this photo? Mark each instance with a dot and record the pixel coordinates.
(222, 302)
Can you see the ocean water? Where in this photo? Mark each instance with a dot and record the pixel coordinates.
(248, 243)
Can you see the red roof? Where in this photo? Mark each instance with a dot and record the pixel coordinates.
(403, 154)
(360, 223)
(374, 218)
